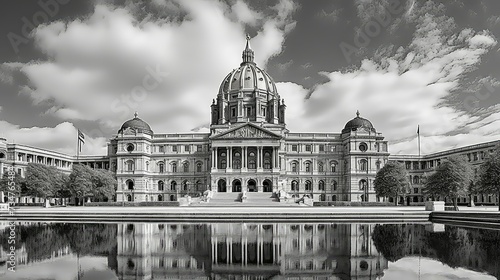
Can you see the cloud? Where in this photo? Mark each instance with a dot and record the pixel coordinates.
(409, 86)
(284, 66)
(113, 62)
(332, 16)
(306, 65)
(61, 138)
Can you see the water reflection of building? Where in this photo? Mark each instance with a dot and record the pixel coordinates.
(247, 251)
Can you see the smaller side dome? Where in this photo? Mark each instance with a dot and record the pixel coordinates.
(136, 124)
(358, 122)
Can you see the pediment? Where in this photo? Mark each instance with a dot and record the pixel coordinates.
(247, 131)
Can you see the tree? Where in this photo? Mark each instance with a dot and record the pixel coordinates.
(62, 188)
(19, 186)
(452, 179)
(391, 180)
(41, 180)
(489, 175)
(103, 183)
(80, 181)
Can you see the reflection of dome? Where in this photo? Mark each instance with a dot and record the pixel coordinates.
(138, 125)
(358, 122)
(248, 77)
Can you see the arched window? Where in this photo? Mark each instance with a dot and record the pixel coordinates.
(129, 197)
(308, 167)
(320, 167)
(321, 185)
(185, 166)
(223, 164)
(308, 185)
(174, 167)
(161, 185)
(130, 184)
(147, 165)
(377, 165)
(333, 166)
(161, 167)
(294, 167)
(362, 184)
(334, 198)
(199, 167)
(198, 186)
(251, 160)
(363, 165)
(130, 165)
(160, 197)
(173, 186)
(185, 186)
(236, 164)
(334, 185)
(267, 160)
(295, 186)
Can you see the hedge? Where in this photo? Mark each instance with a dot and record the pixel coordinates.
(130, 203)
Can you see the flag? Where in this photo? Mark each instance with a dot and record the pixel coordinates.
(81, 140)
(418, 129)
(81, 137)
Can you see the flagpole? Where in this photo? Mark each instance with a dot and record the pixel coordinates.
(418, 136)
(78, 145)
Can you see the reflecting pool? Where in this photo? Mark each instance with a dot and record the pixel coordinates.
(69, 251)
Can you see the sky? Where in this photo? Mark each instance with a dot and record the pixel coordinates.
(89, 65)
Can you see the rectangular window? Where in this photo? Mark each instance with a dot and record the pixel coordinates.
(308, 148)
(233, 112)
(264, 111)
(294, 148)
(186, 148)
(199, 148)
(321, 147)
(174, 148)
(475, 156)
(161, 149)
(415, 190)
(249, 111)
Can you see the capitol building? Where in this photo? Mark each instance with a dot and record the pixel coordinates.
(248, 149)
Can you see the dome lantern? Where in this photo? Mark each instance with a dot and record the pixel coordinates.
(248, 54)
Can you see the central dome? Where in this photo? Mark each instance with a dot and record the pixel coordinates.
(248, 94)
(248, 77)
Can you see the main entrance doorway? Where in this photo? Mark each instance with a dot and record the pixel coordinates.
(267, 186)
(236, 186)
(252, 185)
(221, 186)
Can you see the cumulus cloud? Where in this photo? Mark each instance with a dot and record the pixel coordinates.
(105, 66)
(60, 138)
(401, 88)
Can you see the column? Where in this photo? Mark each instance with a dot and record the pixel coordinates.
(244, 157)
(273, 158)
(259, 153)
(213, 158)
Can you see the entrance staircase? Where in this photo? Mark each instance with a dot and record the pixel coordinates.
(225, 199)
(261, 199)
